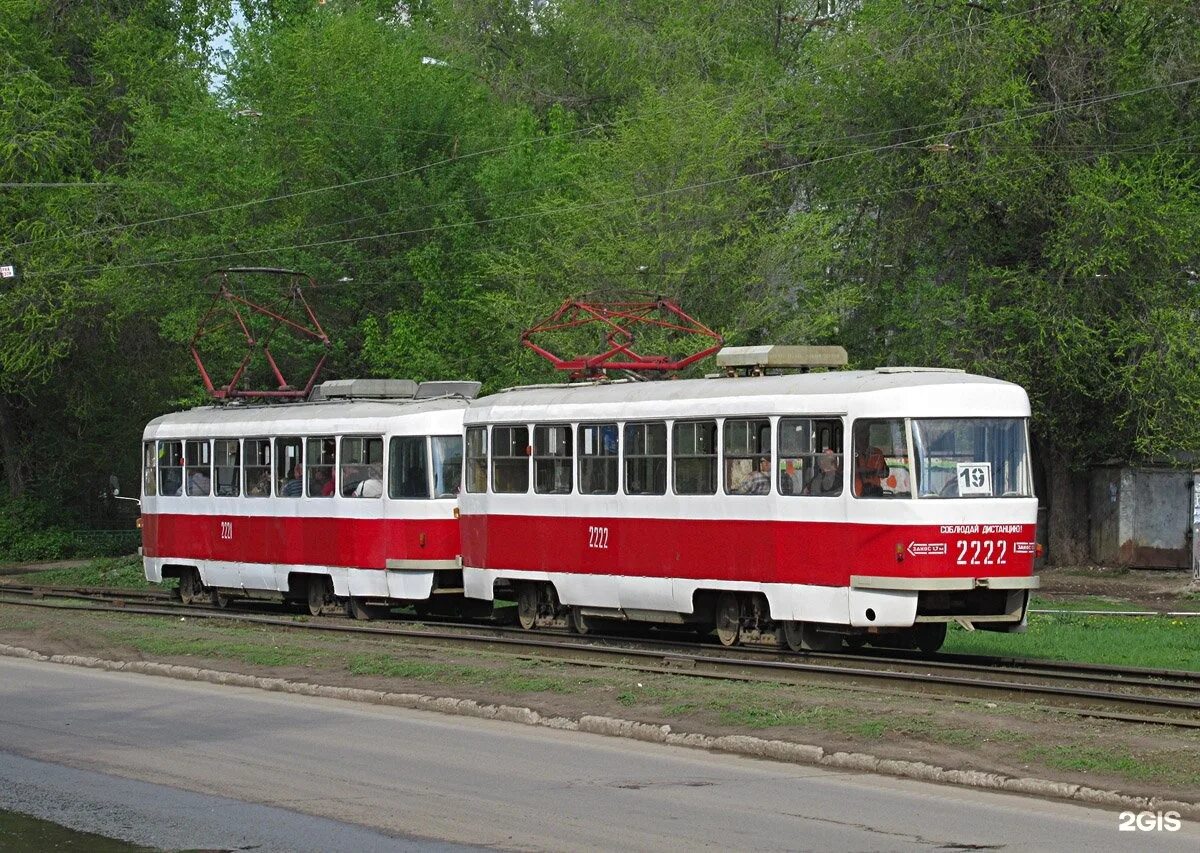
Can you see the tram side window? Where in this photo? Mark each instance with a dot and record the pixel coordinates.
(552, 460)
(226, 462)
(695, 453)
(510, 460)
(748, 457)
(258, 467)
(198, 467)
(811, 457)
(149, 472)
(598, 448)
(362, 467)
(170, 468)
(408, 472)
(476, 467)
(447, 464)
(319, 467)
(289, 468)
(646, 459)
(881, 459)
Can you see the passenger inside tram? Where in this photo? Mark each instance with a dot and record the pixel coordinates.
(321, 484)
(198, 483)
(172, 481)
(294, 486)
(260, 487)
(371, 486)
(352, 475)
(759, 480)
(827, 479)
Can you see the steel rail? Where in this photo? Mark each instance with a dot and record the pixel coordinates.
(1156, 613)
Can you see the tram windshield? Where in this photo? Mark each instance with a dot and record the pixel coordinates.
(971, 458)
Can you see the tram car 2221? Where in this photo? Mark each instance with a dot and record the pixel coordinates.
(814, 509)
(343, 501)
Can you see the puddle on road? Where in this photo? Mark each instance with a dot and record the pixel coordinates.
(20, 833)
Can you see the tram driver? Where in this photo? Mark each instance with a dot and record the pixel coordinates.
(870, 464)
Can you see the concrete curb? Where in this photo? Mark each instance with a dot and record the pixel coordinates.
(776, 750)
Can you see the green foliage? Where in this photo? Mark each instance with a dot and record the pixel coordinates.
(119, 572)
(33, 529)
(1009, 189)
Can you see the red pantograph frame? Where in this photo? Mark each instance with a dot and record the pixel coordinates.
(225, 301)
(621, 316)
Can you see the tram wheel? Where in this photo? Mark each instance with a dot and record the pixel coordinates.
(728, 618)
(190, 587)
(362, 611)
(855, 642)
(219, 599)
(527, 605)
(930, 636)
(579, 623)
(793, 635)
(820, 641)
(317, 591)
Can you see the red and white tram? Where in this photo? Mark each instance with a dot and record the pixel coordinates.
(817, 508)
(348, 500)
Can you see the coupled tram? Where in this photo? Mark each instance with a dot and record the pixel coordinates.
(813, 510)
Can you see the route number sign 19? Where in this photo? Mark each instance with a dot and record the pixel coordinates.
(974, 478)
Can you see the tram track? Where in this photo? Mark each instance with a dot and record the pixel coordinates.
(1163, 697)
(1066, 670)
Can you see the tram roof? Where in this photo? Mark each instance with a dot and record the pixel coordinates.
(321, 416)
(900, 391)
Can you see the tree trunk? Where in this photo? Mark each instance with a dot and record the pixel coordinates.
(1068, 511)
(8, 450)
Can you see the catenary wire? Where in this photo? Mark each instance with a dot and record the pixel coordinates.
(625, 199)
(445, 161)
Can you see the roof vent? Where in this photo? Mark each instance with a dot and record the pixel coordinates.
(370, 389)
(755, 361)
(902, 369)
(466, 390)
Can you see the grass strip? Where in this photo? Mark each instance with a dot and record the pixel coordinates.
(1143, 641)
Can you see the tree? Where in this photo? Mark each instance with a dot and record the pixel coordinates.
(1017, 199)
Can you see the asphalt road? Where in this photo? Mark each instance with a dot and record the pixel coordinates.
(178, 764)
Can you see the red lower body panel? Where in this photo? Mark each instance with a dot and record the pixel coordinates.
(348, 542)
(769, 551)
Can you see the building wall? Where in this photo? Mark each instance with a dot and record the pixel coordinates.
(1141, 517)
